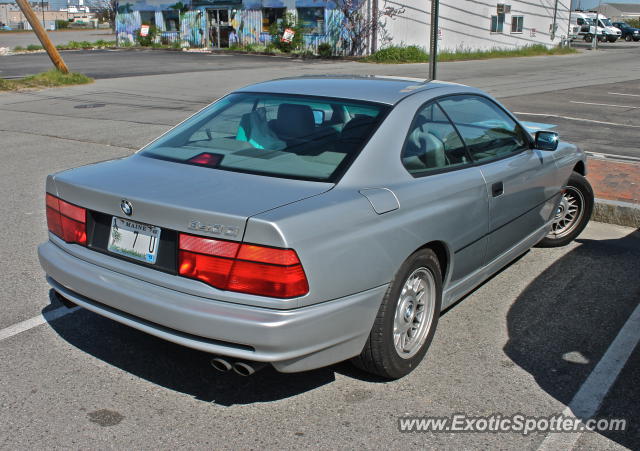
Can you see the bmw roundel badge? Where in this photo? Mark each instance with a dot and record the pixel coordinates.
(126, 207)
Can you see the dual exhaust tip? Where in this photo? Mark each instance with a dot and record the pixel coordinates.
(243, 368)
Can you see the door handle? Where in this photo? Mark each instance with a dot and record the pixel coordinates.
(497, 189)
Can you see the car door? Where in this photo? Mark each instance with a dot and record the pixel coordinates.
(519, 180)
(448, 195)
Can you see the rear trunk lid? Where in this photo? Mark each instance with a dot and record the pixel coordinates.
(179, 197)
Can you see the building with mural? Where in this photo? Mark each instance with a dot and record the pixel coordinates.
(464, 24)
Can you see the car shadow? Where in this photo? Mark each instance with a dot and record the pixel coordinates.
(564, 321)
(179, 368)
(176, 367)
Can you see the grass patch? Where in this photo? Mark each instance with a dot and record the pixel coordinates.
(414, 54)
(47, 79)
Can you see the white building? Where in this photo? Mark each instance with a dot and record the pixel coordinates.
(482, 25)
(620, 11)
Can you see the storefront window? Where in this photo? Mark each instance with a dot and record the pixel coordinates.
(171, 20)
(148, 17)
(271, 16)
(312, 20)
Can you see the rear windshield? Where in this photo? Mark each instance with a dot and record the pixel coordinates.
(309, 138)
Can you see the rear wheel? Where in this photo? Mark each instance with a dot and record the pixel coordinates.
(407, 319)
(573, 212)
(588, 37)
(628, 38)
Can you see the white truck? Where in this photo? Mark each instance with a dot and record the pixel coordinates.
(583, 24)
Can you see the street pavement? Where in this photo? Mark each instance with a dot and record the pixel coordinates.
(23, 39)
(524, 342)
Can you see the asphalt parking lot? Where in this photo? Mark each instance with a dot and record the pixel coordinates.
(602, 119)
(528, 341)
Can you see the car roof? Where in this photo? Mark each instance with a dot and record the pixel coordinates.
(373, 88)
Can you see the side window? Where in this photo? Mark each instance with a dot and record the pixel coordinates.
(432, 143)
(486, 129)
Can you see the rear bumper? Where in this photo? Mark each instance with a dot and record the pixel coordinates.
(292, 340)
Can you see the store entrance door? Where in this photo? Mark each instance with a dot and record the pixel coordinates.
(219, 28)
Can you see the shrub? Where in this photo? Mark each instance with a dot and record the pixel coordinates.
(277, 30)
(635, 23)
(148, 40)
(62, 24)
(34, 47)
(325, 50)
(395, 54)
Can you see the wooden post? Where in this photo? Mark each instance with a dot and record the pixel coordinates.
(39, 30)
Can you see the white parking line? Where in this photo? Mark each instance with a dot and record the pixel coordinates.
(623, 94)
(36, 321)
(605, 104)
(587, 400)
(569, 118)
(612, 156)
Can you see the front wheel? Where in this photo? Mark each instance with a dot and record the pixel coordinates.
(573, 212)
(407, 319)
(588, 37)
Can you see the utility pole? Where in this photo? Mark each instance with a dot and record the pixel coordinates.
(594, 43)
(374, 26)
(433, 40)
(555, 19)
(569, 30)
(39, 30)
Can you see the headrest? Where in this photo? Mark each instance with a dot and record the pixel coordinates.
(295, 121)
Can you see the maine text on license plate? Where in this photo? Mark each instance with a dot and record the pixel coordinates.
(134, 240)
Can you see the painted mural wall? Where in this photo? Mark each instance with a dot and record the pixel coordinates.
(463, 24)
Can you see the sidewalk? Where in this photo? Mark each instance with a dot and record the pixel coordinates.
(616, 185)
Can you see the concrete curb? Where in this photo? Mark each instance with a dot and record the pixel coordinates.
(616, 212)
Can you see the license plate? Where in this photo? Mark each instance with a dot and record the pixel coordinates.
(134, 240)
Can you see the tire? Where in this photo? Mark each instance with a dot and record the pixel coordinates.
(612, 39)
(380, 355)
(588, 38)
(579, 193)
(628, 38)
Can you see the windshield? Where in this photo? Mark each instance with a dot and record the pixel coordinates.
(309, 138)
(606, 22)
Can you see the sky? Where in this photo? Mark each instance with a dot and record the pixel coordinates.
(586, 4)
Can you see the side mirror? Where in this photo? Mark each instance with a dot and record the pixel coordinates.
(545, 140)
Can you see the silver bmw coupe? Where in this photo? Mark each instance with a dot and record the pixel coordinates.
(305, 221)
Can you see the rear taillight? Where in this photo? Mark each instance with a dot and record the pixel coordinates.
(66, 221)
(246, 268)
